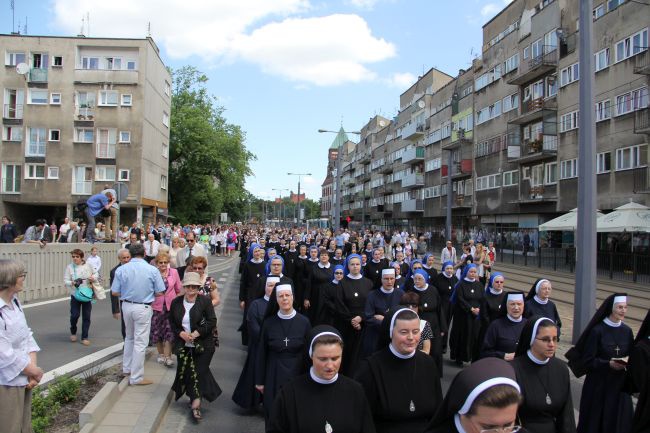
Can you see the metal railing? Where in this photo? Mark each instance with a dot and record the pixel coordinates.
(37, 75)
(82, 187)
(12, 111)
(642, 121)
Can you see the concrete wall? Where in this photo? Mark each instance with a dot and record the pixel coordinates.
(45, 266)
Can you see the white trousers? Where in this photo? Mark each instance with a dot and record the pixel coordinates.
(137, 322)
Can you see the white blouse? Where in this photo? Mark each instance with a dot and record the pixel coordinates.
(16, 343)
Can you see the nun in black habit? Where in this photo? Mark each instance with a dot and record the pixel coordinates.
(375, 264)
(638, 373)
(538, 303)
(603, 348)
(321, 399)
(445, 282)
(253, 270)
(282, 339)
(245, 394)
(431, 310)
(483, 396)
(494, 295)
(469, 317)
(319, 281)
(401, 382)
(544, 380)
(503, 334)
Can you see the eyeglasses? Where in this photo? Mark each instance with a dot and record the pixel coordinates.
(338, 273)
(190, 240)
(162, 263)
(76, 257)
(547, 340)
(24, 274)
(198, 268)
(510, 429)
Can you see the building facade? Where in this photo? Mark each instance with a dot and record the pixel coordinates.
(498, 143)
(80, 114)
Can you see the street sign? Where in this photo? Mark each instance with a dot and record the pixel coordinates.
(224, 217)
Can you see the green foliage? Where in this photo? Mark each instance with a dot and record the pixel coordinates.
(208, 159)
(45, 405)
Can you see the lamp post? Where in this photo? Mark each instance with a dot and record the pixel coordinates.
(299, 174)
(339, 158)
(281, 213)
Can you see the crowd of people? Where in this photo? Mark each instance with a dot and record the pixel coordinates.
(346, 332)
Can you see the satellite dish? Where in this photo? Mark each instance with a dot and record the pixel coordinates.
(421, 104)
(22, 68)
(382, 123)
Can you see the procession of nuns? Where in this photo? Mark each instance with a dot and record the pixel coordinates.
(355, 345)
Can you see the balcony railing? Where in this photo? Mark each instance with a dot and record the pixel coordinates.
(12, 111)
(537, 193)
(461, 168)
(37, 75)
(413, 131)
(544, 146)
(84, 113)
(462, 201)
(105, 76)
(642, 63)
(413, 205)
(105, 150)
(642, 180)
(82, 187)
(537, 66)
(642, 121)
(533, 109)
(413, 155)
(413, 180)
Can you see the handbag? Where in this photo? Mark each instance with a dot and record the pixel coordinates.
(83, 294)
(98, 289)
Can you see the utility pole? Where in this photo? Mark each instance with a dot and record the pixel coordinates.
(299, 174)
(585, 290)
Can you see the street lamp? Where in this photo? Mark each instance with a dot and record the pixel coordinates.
(299, 174)
(281, 213)
(339, 158)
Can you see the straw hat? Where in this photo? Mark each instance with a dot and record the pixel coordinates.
(191, 279)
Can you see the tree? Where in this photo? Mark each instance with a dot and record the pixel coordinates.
(208, 159)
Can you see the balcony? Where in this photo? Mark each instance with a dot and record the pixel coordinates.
(365, 157)
(413, 131)
(530, 150)
(413, 205)
(461, 169)
(413, 180)
(642, 180)
(387, 168)
(537, 66)
(388, 208)
(12, 114)
(462, 202)
(84, 116)
(82, 187)
(37, 75)
(413, 155)
(458, 138)
(536, 194)
(642, 121)
(90, 76)
(642, 63)
(533, 110)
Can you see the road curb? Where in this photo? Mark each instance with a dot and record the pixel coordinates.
(83, 364)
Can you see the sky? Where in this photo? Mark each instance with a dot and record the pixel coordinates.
(283, 69)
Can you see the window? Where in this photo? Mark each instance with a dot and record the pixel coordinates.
(601, 60)
(37, 96)
(536, 48)
(511, 64)
(55, 98)
(84, 135)
(113, 63)
(12, 133)
(124, 175)
(603, 110)
(445, 131)
(36, 145)
(510, 178)
(163, 182)
(488, 182)
(569, 168)
(569, 121)
(603, 162)
(85, 99)
(106, 143)
(82, 180)
(57, 62)
(526, 53)
(165, 119)
(130, 65)
(11, 178)
(599, 11)
(631, 157)
(34, 171)
(632, 101)
(165, 153)
(167, 88)
(105, 173)
(90, 63)
(613, 4)
(127, 100)
(550, 173)
(55, 135)
(108, 98)
(551, 85)
(125, 136)
(510, 102)
(53, 172)
(632, 45)
(487, 78)
(570, 74)
(12, 59)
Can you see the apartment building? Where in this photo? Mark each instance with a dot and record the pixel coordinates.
(502, 136)
(328, 187)
(78, 114)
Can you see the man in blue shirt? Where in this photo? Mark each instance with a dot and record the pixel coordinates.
(94, 206)
(136, 283)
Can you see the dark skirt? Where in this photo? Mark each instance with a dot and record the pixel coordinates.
(161, 330)
(193, 375)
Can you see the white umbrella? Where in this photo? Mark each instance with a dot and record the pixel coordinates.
(566, 223)
(631, 217)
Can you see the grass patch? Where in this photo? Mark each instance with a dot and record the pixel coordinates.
(47, 402)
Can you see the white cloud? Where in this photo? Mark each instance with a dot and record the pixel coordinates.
(363, 4)
(402, 80)
(489, 10)
(326, 50)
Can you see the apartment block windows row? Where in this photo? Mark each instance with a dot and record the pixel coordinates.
(110, 63)
(631, 101)
(631, 45)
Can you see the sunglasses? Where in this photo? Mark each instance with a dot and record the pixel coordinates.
(198, 268)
